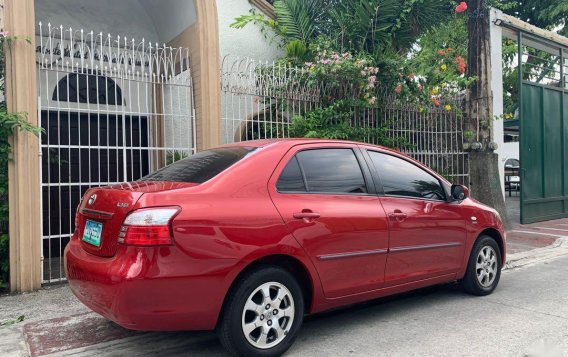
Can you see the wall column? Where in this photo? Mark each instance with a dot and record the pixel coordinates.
(23, 170)
(208, 86)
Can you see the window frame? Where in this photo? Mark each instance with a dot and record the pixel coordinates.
(379, 182)
(363, 166)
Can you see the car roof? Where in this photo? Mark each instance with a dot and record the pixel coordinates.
(299, 141)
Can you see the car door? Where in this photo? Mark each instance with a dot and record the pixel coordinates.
(323, 195)
(427, 232)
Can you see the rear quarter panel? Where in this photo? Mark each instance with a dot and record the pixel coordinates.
(233, 217)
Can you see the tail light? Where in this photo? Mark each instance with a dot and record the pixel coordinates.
(149, 226)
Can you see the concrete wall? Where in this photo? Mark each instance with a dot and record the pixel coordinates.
(247, 42)
(125, 17)
(153, 20)
(250, 42)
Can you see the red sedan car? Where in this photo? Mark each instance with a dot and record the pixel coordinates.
(247, 238)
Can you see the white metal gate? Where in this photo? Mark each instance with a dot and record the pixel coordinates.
(113, 110)
(259, 99)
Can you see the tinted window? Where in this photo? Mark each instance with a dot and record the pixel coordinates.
(200, 167)
(291, 178)
(401, 178)
(332, 170)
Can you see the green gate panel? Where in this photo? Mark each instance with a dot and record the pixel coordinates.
(544, 125)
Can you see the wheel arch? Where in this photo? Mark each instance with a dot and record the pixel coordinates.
(293, 265)
(496, 235)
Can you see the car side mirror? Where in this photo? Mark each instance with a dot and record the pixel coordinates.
(460, 192)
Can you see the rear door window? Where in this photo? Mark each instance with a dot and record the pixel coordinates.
(332, 171)
(402, 178)
(202, 166)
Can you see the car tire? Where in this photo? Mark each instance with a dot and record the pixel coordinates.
(253, 324)
(484, 267)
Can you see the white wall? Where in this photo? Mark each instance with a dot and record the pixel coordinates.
(496, 38)
(510, 151)
(247, 42)
(124, 17)
(170, 17)
(154, 20)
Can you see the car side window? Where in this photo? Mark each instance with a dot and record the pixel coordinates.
(291, 179)
(332, 171)
(402, 178)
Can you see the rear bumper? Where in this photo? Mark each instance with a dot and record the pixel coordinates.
(150, 289)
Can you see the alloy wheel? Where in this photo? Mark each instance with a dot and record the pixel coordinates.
(486, 266)
(268, 315)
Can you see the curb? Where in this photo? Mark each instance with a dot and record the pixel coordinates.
(557, 249)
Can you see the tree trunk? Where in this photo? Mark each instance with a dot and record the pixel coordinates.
(484, 166)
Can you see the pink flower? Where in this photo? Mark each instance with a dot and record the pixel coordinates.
(398, 89)
(4, 33)
(441, 52)
(372, 79)
(461, 7)
(420, 88)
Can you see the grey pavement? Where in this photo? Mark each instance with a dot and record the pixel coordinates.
(527, 314)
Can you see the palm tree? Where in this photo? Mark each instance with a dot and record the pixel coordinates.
(372, 26)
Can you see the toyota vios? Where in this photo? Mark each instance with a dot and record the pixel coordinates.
(248, 238)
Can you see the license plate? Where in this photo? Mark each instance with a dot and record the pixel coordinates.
(93, 232)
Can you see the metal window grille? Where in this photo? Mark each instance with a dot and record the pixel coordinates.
(260, 98)
(113, 110)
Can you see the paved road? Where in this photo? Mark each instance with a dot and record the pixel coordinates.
(526, 314)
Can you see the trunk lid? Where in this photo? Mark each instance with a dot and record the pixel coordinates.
(106, 208)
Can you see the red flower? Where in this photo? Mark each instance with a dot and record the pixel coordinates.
(441, 52)
(461, 7)
(420, 88)
(436, 101)
(460, 64)
(398, 89)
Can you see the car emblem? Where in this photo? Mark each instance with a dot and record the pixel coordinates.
(92, 199)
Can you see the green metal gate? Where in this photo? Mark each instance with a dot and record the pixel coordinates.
(543, 129)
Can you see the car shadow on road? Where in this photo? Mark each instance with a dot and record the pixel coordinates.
(331, 324)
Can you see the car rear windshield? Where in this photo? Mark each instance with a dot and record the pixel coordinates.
(200, 167)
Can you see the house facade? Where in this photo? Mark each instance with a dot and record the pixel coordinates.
(121, 88)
